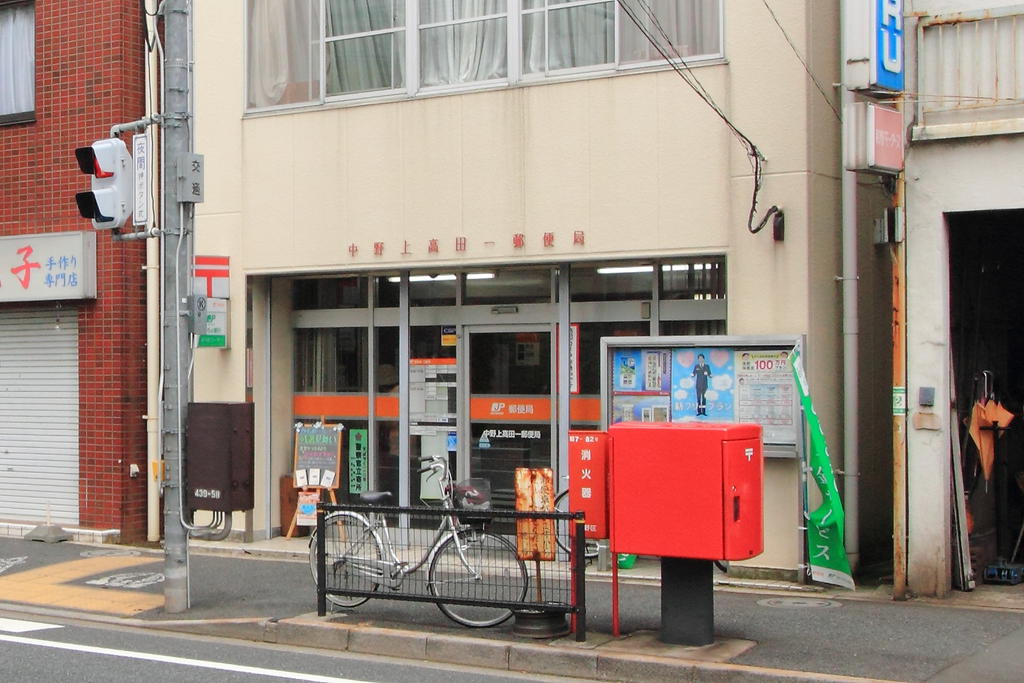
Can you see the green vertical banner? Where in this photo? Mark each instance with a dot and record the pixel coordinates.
(826, 547)
(358, 463)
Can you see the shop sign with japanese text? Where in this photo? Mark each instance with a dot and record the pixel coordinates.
(47, 267)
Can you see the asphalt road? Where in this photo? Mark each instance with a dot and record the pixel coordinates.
(58, 650)
(870, 638)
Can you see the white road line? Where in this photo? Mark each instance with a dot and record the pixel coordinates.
(198, 663)
(16, 626)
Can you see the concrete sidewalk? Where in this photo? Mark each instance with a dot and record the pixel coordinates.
(764, 631)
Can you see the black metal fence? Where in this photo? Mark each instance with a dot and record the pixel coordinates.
(478, 566)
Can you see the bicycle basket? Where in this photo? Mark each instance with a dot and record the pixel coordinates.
(473, 494)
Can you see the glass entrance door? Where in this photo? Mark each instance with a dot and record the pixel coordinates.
(511, 404)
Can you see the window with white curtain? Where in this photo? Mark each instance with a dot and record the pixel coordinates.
(561, 34)
(463, 41)
(283, 52)
(358, 47)
(364, 46)
(17, 61)
(692, 29)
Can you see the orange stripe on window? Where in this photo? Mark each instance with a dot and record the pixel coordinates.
(386, 406)
(316, 405)
(585, 409)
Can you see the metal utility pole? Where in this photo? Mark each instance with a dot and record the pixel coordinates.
(176, 257)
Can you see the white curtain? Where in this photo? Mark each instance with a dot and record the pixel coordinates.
(284, 52)
(582, 35)
(17, 59)
(692, 27)
(462, 52)
(374, 62)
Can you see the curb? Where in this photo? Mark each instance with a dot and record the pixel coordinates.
(557, 658)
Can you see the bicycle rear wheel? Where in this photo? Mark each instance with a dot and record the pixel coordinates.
(348, 537)
(490, 572)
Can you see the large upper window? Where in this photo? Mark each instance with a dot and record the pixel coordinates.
(365, 45)
(17, 61)
(463, 41)
(364, 48)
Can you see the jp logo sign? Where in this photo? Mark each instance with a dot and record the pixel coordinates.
(887, 52)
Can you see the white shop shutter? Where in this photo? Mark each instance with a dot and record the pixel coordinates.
(39, 415)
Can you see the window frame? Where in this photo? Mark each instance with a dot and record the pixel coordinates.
(28, 115)
(514, 15)
(325, 40)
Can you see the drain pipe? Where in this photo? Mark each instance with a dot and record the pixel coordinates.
(155, 470)
(851, 334)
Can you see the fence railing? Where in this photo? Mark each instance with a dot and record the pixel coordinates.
(478, 566)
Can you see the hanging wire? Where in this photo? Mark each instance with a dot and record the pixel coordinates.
(643, 14)
(807, 68)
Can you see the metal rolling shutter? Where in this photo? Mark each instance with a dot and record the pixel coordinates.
(39, 415)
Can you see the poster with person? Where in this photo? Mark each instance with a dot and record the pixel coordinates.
(703, 382)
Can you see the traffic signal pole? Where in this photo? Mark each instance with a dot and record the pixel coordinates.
(175, 260)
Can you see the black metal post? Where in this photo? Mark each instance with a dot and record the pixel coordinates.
(580, 577)
(321, 565)
(687, 601)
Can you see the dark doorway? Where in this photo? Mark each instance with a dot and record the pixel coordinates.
(987, 328)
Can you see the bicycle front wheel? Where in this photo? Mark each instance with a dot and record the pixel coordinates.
(477, 567)
(565, 530)
(353, 553)
(563, 527)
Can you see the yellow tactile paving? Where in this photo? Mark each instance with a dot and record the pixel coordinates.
(47, 586)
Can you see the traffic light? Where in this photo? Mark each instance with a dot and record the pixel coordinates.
(111, 199)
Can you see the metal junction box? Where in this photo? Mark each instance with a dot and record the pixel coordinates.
(219, 466)
(687, 490)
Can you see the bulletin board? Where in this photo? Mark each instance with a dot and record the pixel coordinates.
(317, 455)
(705, 379)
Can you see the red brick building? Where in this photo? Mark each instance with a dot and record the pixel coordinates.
(72, 325)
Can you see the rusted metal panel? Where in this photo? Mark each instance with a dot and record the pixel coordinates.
(969, 67)
(535, 492)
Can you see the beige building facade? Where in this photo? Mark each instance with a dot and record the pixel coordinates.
(416, 202)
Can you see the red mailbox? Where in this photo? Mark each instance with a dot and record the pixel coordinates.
(689, 490)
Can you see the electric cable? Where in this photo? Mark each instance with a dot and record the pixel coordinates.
(683, 70)
(802, 61)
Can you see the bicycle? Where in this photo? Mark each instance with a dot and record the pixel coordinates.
(465, 562)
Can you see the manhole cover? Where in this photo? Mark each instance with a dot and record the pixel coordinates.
(110, 553)
(798, 603)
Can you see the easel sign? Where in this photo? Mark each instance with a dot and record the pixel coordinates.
(316, 465)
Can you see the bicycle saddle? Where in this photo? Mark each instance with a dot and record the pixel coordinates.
(375, 497)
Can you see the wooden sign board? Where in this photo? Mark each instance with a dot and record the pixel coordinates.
(317, 461)
(535, 492)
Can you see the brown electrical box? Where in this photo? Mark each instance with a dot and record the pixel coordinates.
(219, 456)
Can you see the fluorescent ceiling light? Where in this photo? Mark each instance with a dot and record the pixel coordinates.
(479, 276)
(425, 278)
(676, 266)
(616, 270)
